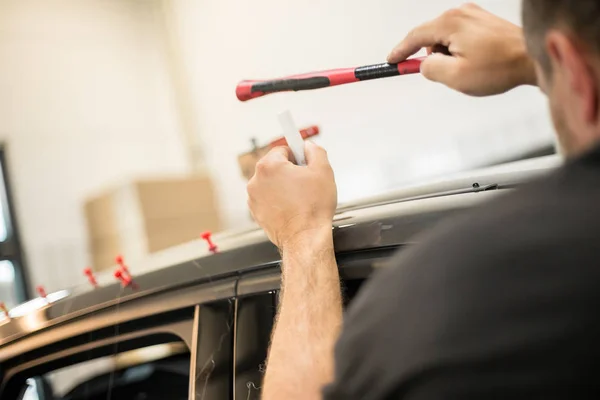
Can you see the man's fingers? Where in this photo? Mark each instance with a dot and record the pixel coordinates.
(274, 158)
(411, 44)
(279, 153)
(427, 35)
(441, 68)
(315, 155)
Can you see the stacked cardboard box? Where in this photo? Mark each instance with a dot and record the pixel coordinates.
(146, 216)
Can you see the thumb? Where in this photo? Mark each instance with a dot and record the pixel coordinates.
(315, 155)
(441, 68)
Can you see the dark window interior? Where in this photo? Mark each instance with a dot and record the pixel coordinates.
(351, 289)
(154, 372)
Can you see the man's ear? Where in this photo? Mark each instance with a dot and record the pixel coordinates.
(573, 62)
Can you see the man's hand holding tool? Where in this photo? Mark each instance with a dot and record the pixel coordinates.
(482, 55)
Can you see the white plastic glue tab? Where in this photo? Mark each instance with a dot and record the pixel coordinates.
(293, 137)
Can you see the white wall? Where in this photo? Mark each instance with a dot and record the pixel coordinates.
(85, 102)
(379, 134)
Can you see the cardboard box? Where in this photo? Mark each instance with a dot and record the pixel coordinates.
(147, 216)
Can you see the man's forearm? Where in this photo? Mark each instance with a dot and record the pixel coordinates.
(300, 359)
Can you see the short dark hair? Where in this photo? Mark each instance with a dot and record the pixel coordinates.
(582, 17)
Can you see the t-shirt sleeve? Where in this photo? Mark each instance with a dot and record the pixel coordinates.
(479, 311)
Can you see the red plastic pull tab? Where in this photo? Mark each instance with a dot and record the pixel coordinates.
(121, 263)
(211, 246)
(41, 291)
(90, 275)
(4, 310)
(121, 275)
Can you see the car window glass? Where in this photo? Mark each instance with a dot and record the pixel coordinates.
(149, 373)
(32, 391)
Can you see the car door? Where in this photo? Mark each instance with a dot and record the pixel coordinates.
(173, 345)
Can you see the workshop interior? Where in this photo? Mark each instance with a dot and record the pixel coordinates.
(130, 264)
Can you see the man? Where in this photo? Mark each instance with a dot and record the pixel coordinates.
(501, 303)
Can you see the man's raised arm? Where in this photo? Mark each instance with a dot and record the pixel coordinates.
(295, 206)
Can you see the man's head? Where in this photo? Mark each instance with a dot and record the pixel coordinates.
(564, 38)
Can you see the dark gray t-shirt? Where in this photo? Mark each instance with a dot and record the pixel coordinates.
(501, 303)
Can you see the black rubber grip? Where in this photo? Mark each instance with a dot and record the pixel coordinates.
(291, 84)
(376, 71)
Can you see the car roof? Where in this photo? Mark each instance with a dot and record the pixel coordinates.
(380, 221)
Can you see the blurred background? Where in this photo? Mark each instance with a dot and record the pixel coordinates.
(120, 131)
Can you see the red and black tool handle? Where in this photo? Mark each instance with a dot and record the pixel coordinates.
(247, 90)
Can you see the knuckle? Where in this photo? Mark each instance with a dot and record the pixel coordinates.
(278, 152)
(251, 187)
(262, 166)
(469, 6)
(453, 13)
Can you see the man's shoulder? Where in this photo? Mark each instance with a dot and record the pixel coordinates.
(488, 281)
